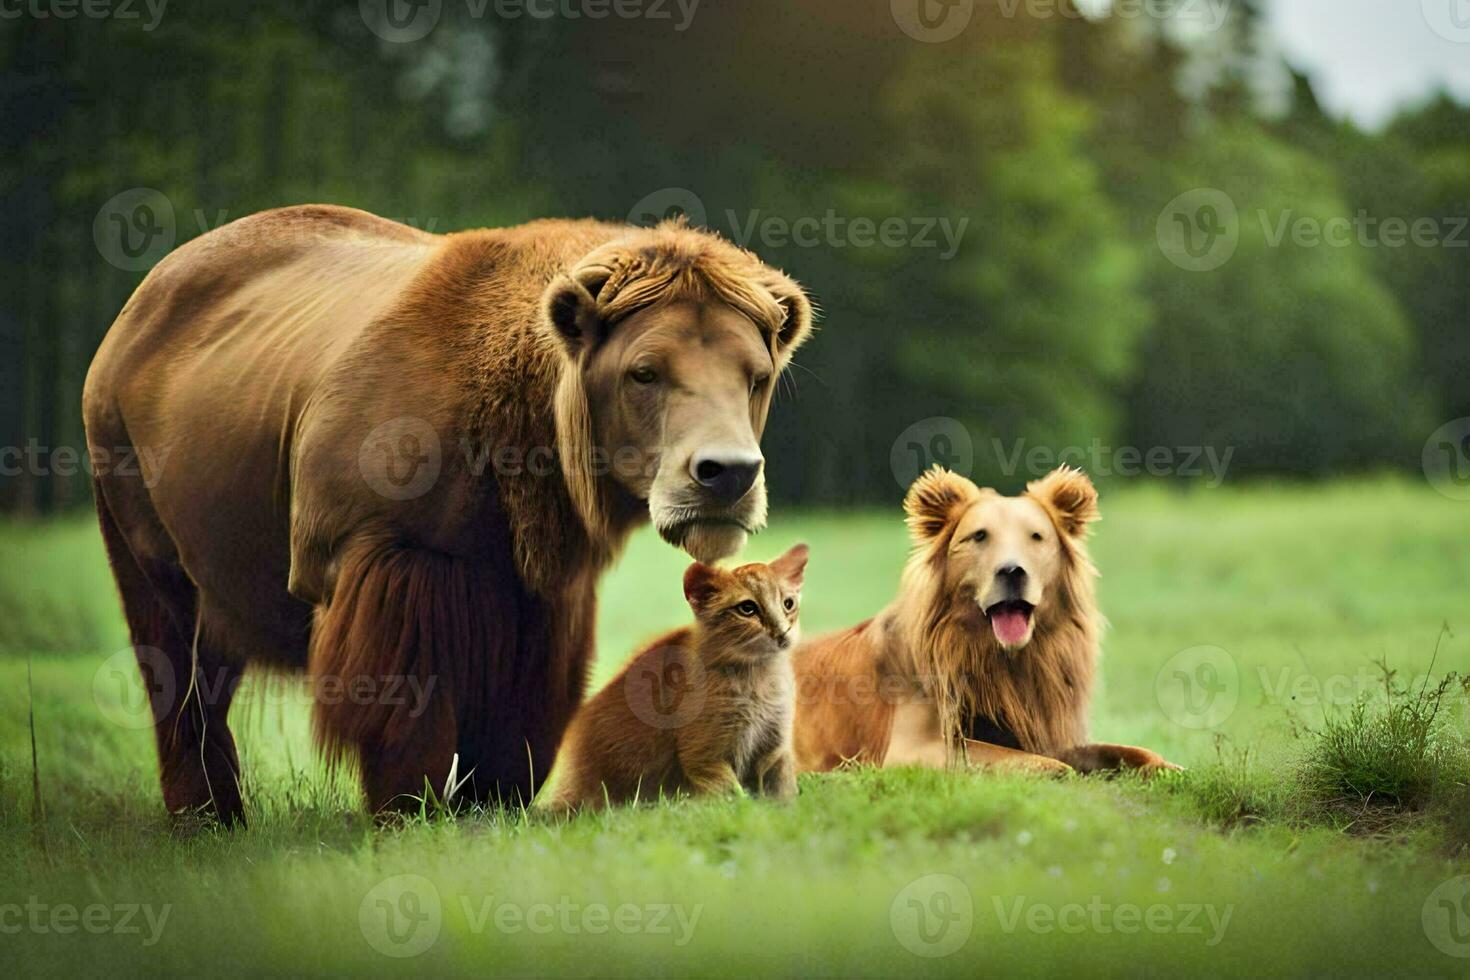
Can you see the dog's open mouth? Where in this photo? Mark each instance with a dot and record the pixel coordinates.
(1010, 620)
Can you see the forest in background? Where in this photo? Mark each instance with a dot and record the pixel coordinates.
(1119, 234)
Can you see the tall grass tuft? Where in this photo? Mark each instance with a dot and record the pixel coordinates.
(1234, 790)
(1389, 755)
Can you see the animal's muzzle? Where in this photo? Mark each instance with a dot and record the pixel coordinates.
(725, 477)
(1012, 580)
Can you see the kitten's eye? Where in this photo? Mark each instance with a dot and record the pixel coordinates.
(1035, 535)
(643, 375)
(757, 384)
(790, 603)
(980, 535)
(747, 608)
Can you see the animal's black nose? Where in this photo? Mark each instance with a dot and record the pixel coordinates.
(727, 476)
(1014, 574)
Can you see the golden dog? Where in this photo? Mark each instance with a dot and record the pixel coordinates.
(988, 653)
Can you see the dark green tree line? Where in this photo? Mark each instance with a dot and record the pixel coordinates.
(1021, 169)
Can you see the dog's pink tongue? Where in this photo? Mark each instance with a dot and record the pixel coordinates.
(1010, 626)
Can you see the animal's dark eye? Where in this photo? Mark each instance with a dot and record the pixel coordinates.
(790, 603)
(643, 375)
(757, 384)
(1035, 535)
(747, 608)
(980, 535)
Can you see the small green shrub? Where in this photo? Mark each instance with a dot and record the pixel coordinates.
(1391, 754)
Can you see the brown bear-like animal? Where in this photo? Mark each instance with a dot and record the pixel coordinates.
(401, 461)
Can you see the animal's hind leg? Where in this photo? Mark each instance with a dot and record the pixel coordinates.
(190, 697)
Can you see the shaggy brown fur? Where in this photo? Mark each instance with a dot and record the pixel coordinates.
(269, 365)
(704, 709)
(928, 680)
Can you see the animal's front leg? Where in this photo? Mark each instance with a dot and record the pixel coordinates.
(1000, 757)
(713, 778)
(916, 740)
(776, 774)
(706, 765)
(1106, 757)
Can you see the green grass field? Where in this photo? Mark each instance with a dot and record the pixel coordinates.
(1239, 620)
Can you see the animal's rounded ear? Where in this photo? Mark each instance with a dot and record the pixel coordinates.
(701, 584)
(1069, 494)
(570, 306)
(791, 567)
(933, 499)
(797, 325)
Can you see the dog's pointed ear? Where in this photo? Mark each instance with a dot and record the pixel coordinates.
(570, 307)
(932, 501)
(791, 567)
(701, 585)
(1070, 495)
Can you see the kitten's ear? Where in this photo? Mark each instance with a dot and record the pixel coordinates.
(701, 585)
(791, 567)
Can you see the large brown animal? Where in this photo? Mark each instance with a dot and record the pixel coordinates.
(988, 653)
(401, 461)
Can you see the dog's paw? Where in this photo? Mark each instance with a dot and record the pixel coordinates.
(1055, 768)
(1158, 764)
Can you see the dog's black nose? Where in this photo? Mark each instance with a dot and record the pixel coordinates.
(1014, 574)
(727, 476)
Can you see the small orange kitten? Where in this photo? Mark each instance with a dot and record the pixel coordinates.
(704, 709)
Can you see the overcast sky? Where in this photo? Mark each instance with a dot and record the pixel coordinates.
(1367, 58)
